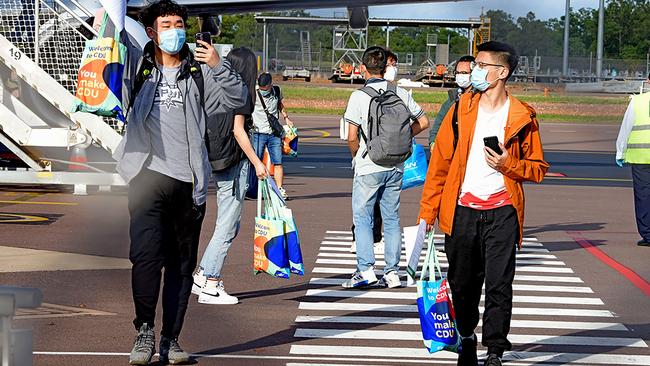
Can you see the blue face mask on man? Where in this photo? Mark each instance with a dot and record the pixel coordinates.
(172, 40)
(478, 77)
(265, 93)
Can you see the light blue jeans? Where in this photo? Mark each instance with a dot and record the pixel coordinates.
(231, 188)
(384, 187)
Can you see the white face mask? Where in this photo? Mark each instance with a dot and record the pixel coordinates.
(463, 81)
(391, 73)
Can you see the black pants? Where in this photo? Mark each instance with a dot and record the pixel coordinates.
(482, 248)
(164, 230)
(376, 224)
(641, 180)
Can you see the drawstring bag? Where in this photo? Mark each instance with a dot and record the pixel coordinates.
(99, 82)
(437, 317)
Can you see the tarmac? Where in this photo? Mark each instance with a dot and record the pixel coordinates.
(581, 293)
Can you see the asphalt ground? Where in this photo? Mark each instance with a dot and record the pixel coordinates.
(83, 249)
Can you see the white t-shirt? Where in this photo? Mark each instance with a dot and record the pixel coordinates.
(356, 113)
(260, 120)
(481, 180)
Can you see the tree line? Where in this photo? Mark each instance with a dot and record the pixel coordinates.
(627, 33)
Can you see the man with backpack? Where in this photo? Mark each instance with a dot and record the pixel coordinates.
(381, 118)
(267, 130)
(163, 156)
(474, 187)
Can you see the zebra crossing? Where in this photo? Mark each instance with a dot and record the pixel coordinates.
(556, 319)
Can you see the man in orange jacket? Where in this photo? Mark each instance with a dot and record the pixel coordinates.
(477, 195)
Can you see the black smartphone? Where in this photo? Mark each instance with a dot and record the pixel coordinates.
(493, 143)
(203, 36)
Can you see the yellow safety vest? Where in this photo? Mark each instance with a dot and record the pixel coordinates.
(638, 144)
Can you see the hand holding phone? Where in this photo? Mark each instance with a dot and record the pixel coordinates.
(204, 51)
(493, 143)
(203, 36)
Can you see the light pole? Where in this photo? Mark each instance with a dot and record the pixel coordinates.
(599, 46)
(565, 54)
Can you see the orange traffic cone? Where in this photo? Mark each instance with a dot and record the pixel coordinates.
(267, 161)
(77, 158)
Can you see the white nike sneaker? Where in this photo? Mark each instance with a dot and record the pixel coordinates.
(199, 282)
(360, 279)
(214, 293)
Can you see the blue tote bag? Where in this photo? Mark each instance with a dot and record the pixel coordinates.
(415, 168)
(437, 317)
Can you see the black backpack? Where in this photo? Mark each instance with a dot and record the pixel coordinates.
(388, 142)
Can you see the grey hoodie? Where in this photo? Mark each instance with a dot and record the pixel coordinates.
(224, 91)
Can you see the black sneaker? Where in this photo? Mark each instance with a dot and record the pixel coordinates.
(643, 243)
(143, 347)
(492, 360)
(172, 353)
(467, 356)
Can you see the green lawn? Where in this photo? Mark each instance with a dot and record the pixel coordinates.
(439, 96)
(541, 117)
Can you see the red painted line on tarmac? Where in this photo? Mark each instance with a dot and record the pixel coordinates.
(632, 276)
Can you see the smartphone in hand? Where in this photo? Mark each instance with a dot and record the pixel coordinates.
(203, 36)
(493, 143)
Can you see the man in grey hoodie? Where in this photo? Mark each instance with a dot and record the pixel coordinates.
(164, 159)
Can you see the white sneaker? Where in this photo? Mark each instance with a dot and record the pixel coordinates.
(379, 247)
(353, 247)
(360, 279)
(199, 282)
(214, 293)
(283, 192)
(391, 279)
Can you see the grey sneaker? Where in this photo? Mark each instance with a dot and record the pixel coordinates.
(143, 347)
(492, 360)
(171, 352)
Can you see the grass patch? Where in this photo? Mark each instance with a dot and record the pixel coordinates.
(578, 119)
(542, 117)
(438, 96)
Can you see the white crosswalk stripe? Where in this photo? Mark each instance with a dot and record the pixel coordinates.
(554, 314)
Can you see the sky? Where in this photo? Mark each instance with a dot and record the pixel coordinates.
(464, 9)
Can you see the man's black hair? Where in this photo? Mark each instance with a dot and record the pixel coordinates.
(375, 60)
(265, 79)
(161, 8)
(466, 58)
(504, 53)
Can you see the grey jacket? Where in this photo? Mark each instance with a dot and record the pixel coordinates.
(224, 91)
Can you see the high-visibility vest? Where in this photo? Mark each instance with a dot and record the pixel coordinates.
(638, 144)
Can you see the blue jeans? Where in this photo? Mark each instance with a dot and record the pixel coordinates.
(262, 140)
(231, 188)
(384, 187)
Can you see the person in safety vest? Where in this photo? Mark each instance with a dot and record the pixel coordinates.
(633, 149)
